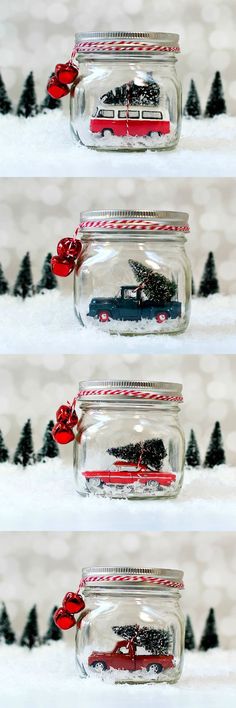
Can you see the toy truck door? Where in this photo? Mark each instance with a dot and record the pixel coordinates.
(123, 656)
(130, 304)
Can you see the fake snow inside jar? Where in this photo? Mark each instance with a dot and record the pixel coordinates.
(131, 627)
(132, 275)
(127, 95)
(129, 444)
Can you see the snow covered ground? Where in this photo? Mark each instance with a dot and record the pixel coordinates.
(43, 498)
(48, 323)
(206, 149)
(47, 676)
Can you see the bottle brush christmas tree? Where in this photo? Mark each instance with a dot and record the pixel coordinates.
(144, 93)
(156, 286)
(50, 448)
(216, 102)
(149, 453)
(209, 638)
(154, 641)
(27, 105)
(24, 283)
(30, 635)
(4, 454)
(192, 107)
(49, 103)
(189, 635)
(209, 282)
(3, 283)
(5, 103)
(24, 454)
(53, 633)
(192, 456)
(48, 280)
(215, 454)
(7, 635)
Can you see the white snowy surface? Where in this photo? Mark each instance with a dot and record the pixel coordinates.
(47, 676)
(206, 149)
(43, 498)
(48, 323)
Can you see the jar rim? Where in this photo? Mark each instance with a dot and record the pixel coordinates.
(92, 574)
(123, 389)
(173, 218)
(171, 39)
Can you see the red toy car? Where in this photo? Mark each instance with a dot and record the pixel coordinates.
(134, 121)
(128, 473)
(124, 656)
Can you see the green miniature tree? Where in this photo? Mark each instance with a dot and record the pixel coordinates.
(48, 280)
(209, 638)
(49, 448)
(155, 641)
(192, 107)
(27, 105)
(4, 288)
(215, 454)
(4, 454)
(156, 286)
(53, 633)
(24, 283)
(24, 454)
(5, 103)
(30, 634)
(7, 635)
(189, 635)
(192, 456)
(209, 282)
(149, 453)
(216, 102)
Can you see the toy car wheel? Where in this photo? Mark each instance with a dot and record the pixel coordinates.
(104, 316)
(152, 134)
(107, 132)
(94, 482)
(155, 668)
(153, 485)
(161, 317)
(99, 666)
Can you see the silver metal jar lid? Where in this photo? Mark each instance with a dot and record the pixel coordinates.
(126, 390)
(173, 218)
(101, 575)
(159, 39)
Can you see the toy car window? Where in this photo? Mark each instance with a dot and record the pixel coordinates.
(129, 114)
(152, 114)
(106, 114)
(130, 293)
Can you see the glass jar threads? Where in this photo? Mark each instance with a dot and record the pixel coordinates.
(127, 95)
(129, 444)
(134, 276)
(133, 628)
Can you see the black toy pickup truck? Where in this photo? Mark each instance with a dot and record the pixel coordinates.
(130, 305)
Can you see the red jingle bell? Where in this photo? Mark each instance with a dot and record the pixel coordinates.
(72, 420)
(63, 619)
(62, 434)
(66, 73)
(62, 267)
(63, 414)
(56, 89)
(69, 247)
(73, 603)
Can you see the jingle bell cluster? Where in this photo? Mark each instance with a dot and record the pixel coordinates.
(68, 250)
(63, 429)
(64, 75)
(72, 604)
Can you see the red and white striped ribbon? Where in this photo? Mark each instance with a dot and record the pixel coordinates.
(120, 45)
(148, 395)
(131, 578)
(130, 225)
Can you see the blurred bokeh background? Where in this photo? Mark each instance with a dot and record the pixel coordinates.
(36, 213)
(37, 35)
(41, 567)
(34, 387)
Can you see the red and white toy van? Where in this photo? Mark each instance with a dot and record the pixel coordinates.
(128, 473)
(141, 121)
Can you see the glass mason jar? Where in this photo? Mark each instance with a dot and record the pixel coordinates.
(130, 444)
(135, 276)
(127, 95)
(133, 631)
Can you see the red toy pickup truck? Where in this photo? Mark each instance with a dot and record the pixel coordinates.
(128, 473)
(124, 657)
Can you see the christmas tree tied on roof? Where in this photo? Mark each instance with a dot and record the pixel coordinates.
(156, 287)
(7, 635)
(149, 453)
(154, 641)
(210, 639)
(144, 91)
(215, 454)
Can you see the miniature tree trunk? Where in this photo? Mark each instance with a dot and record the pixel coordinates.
(53, 633)
(154, 641)
(156, 286)
(5, 103)
(215, 454)
(192, 456)
(4, 288)
(209, 638)
(50, 448)
(24, 454)
(7, 635)
(189, 635)
(24, 283)
(27, 105)
(149, 453)
(48, 280)
(4, 454)
(192, 107)
(216, 102)
(209, 282)
(133, 94)
(30, 635)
